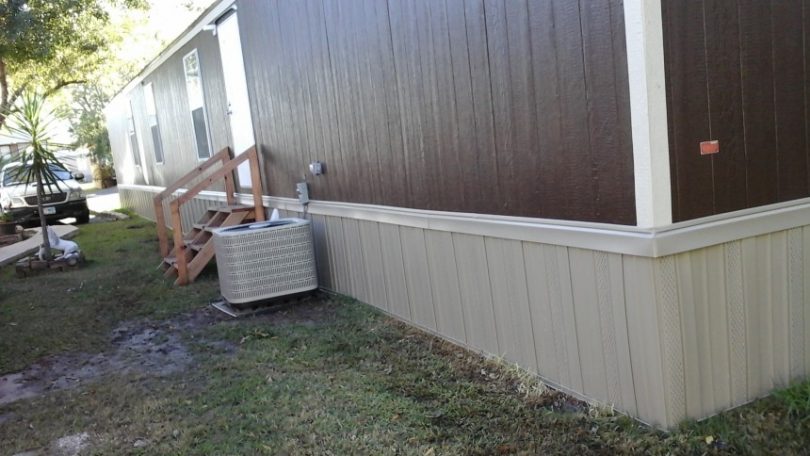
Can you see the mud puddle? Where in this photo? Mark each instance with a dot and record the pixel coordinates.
(150, 348)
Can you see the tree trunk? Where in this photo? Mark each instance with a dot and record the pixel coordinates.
(3, 92)
(43, 223)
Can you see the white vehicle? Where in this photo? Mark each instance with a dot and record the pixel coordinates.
(63, 200)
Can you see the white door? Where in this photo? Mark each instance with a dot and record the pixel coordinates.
(233, 68)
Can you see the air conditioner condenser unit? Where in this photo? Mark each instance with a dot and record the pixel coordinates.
(265, 260)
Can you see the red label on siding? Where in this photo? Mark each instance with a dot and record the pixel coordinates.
(709, 147)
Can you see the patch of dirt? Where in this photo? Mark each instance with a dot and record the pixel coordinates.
(498, 376)
(102, 218)
(69, 445)
(310, 311)
(143, 347)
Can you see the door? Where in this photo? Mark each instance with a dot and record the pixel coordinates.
(233, 69)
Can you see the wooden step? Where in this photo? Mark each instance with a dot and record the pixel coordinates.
(207, 228)
(196, 246)
(231, 209)
(172, 260)
(199, 241)
(207, 216)
(200, 237)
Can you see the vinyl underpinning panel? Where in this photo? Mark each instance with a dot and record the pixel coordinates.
(684, 334)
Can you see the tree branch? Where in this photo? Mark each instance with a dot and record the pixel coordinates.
(60, 85)
(16, 93)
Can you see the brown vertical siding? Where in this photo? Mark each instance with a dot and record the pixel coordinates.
(486, 106)
(736, 73)
(501, 107)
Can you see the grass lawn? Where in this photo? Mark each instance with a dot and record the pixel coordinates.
(115, 360)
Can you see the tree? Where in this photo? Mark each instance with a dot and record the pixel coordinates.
(87, 122)
(138, 36)
(49, 44)
(33, 122)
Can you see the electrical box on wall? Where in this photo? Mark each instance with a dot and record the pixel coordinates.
(303, 192)
(316, 168)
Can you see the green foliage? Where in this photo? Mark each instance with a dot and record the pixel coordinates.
(135, 36)
(49, 44)
(34, 123)
(88, 123)
(797, 400)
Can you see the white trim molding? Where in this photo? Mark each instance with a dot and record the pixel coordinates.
(627, 240)
(648, 112)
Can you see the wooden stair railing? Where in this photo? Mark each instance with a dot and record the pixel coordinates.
(223, 156)
(193, 252)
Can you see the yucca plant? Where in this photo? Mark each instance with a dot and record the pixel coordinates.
(33, 122)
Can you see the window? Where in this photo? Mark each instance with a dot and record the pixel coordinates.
(151, 118)
(15, 175)
(133, 137)
(196, 103)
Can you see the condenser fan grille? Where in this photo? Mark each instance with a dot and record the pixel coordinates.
(265, 260)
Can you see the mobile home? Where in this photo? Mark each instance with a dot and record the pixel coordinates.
(611, 194)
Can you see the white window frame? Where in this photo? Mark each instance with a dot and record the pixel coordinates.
(202, 104)
(152, 120)
(132, 129)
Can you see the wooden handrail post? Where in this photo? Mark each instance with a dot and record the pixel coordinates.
(256, 181)
(230, 187)
(160, 219)
(179, 244)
